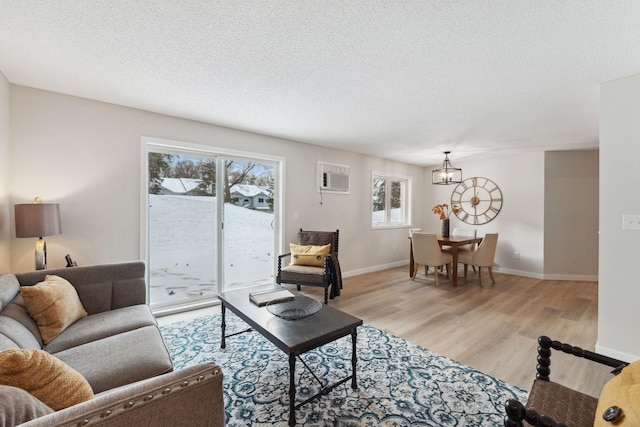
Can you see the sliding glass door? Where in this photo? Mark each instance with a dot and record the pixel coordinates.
(210, 221)
(249, 222)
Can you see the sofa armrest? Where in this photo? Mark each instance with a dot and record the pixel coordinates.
(187, 397)
(100, 287)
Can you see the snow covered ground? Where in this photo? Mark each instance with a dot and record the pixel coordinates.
(182, 248)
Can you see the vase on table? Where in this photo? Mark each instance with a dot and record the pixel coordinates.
(445, 228)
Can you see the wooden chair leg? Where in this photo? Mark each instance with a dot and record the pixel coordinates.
(449, 270)
(466, 267)
(415, 271)
(491, 275)
(480, 274)
(435, 274)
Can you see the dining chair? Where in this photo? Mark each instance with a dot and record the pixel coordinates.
(457, 231)
(427, 252)
(465, 232)
(482, 257)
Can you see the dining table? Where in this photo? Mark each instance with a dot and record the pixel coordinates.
(452, 241)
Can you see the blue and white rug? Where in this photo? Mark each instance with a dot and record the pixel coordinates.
(400, 384)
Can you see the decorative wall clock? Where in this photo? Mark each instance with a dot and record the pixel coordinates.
(479, 199)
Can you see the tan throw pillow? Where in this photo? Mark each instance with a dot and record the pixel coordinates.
(309, 255)
(622, 391)
(47, 378)
(54, 305)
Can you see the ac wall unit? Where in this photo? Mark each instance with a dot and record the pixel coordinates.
(333, 178)
(335, 181)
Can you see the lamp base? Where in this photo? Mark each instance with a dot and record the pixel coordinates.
(41, 254)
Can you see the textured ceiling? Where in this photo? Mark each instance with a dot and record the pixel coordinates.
(402, 80)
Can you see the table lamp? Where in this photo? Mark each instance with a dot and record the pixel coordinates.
(38, 219)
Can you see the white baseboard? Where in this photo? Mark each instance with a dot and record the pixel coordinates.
(519, 273)
(376, 268)
(577, 277)
(532, 275)
(616, 354)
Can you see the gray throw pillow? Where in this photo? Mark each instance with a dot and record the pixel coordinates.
(18, 406)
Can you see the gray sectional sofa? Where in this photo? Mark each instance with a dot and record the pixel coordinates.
(118, 348)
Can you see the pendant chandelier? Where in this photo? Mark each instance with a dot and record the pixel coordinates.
(446, 174)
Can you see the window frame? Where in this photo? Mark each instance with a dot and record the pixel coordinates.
(406, 200)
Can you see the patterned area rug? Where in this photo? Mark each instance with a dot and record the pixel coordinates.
(400, 384)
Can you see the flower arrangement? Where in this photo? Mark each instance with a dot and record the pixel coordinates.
(443, 210)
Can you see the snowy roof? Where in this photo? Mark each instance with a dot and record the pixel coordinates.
(180, 185)
(248, 190)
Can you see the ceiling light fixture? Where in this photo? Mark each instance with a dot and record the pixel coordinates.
(446, 174)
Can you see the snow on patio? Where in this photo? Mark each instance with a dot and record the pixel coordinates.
(182, 247)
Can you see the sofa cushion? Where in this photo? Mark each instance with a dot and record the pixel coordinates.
(54, 304)
(44, 376)
(17, 325)
(9, 288)
(17, 406)
(100, 287)
(308, 254)
(102, 325)
(121, 359)
(14, 334)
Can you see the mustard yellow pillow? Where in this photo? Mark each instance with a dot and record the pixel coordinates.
(54, 305)
(45, 377)
(622, 391)
(308, 255)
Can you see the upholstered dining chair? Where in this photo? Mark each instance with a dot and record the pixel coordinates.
(465, 232)
(427, 252)
(482, 257)
(457, 231)
(324, 268)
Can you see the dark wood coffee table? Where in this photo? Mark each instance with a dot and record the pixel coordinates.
(294, 337)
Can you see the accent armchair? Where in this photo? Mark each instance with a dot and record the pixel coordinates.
(551, 404)
(326, 274)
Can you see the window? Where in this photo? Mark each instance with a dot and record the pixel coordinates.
(390, 200)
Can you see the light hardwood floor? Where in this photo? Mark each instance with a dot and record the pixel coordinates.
(493, 329)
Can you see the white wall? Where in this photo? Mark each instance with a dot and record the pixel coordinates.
(520, 223)
(5, 211)
(619, 288)
(85, 155)
(571, 205)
